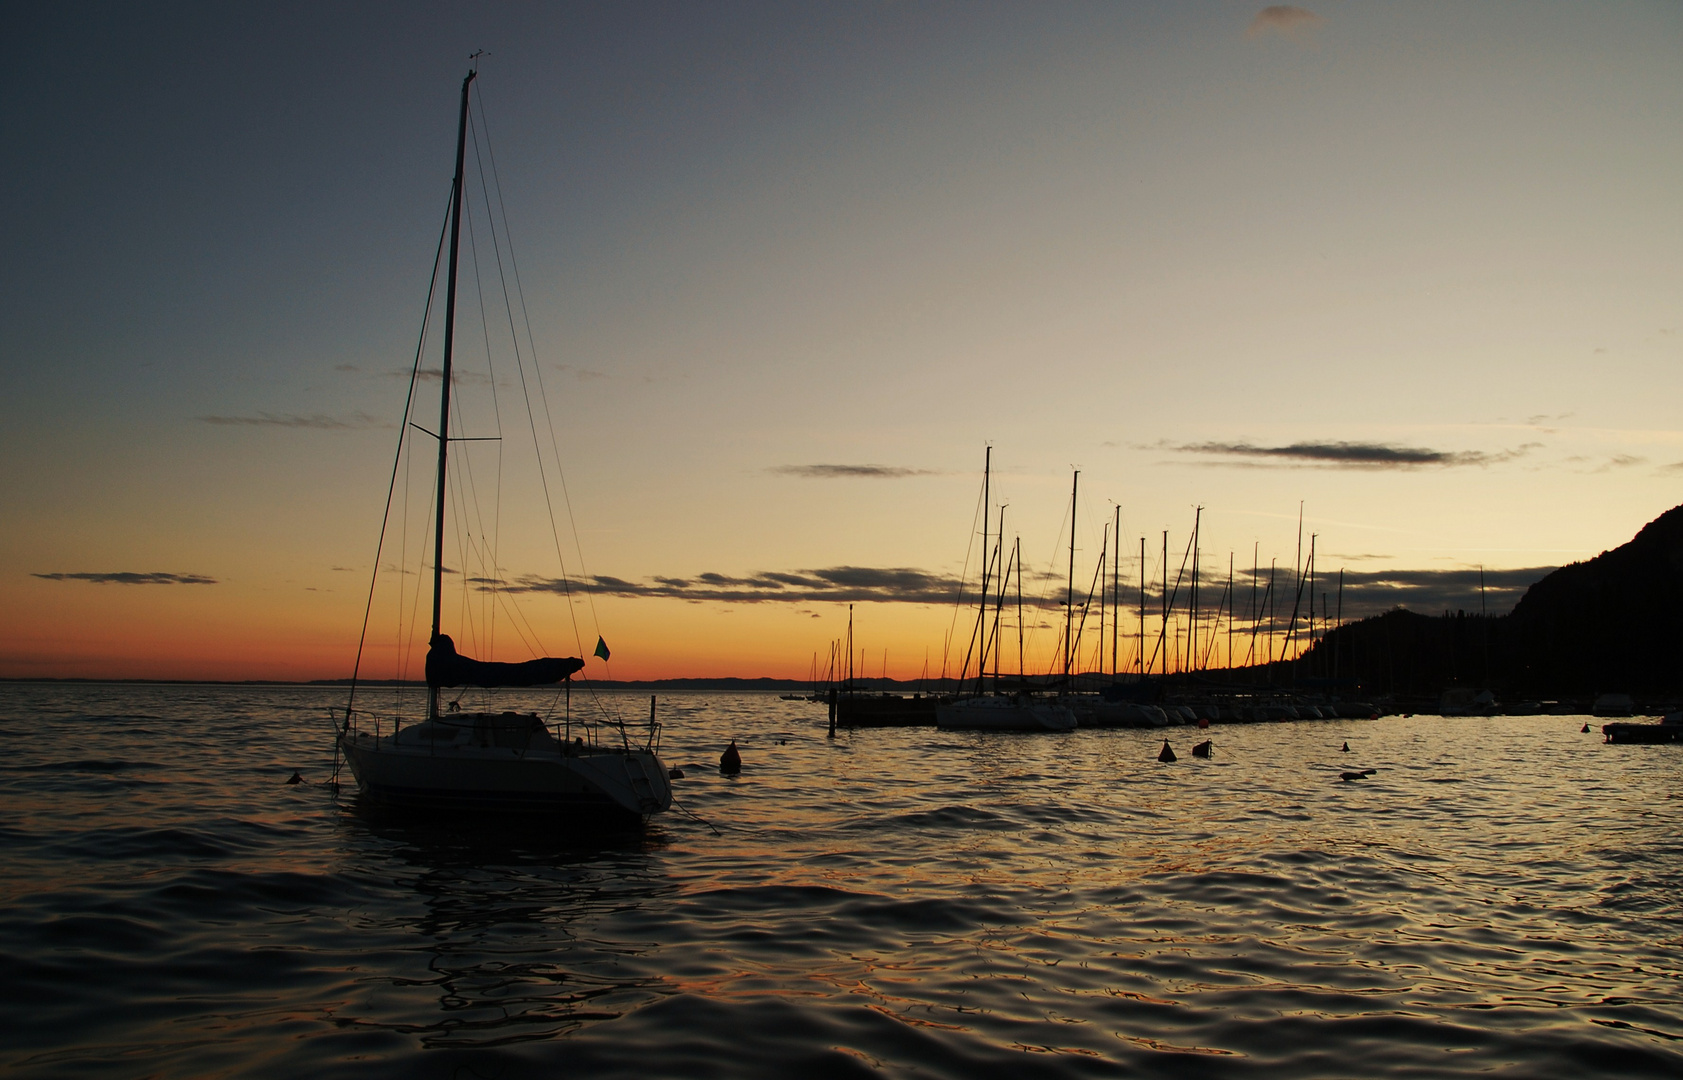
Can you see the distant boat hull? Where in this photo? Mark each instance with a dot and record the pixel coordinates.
(1003, 714)
(440, 765)
(1126, 714)
(1668, 732)
(885, 710)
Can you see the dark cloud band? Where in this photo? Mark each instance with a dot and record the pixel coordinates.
(130, 577)
(1350, 455)
(1365, 592)
(844, 584)
(848, 472)
(318, 422)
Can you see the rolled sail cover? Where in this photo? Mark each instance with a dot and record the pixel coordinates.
(447, 667)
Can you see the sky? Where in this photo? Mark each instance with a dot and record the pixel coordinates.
(1412, 269)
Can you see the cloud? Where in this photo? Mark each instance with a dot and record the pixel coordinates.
(1365, 593)
(1426, 591)
(1622, 461)
(1349, 455)
(458, 375)
(848, 472)
(1283, 19)
(130, 577)
(836, 584)
(318, 422)
(1676, 466)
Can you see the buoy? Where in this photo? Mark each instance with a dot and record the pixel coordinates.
(1353, 776)
(1166, 754)
(1201, 749)
(1346, 748)
(295, 779)
(1586, 727)
(730, 762)
(674, 774)
(1203, 722)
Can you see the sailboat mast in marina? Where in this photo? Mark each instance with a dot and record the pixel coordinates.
(998, 712)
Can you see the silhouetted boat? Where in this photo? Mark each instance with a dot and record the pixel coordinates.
(1667, 730)
(503, 761)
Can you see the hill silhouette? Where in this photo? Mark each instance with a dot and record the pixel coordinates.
(1611, 623)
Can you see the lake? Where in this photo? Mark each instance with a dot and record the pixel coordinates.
(1502, 896)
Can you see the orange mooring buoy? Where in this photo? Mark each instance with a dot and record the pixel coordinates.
(1166, 754)
(730, 762)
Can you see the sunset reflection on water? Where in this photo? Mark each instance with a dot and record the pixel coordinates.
(1500, 893)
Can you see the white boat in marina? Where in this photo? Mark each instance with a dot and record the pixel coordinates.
(495, 760)
(1005, 713)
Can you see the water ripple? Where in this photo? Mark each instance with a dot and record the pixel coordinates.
(1501, 896)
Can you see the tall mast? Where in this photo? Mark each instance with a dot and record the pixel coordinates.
(1017, 557)
(1104, 553)
(1116, 598)
(1069, 589)
(444, 396)
(1164, 636)
(1230, 606)
(999, 608)
(1192, 649)
(1338, 642)
(982, 616)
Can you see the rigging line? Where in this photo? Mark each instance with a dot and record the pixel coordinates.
(517, 616)
(1092, 590)
(487, 612)
(963, 580)
(1047, 581)
(549, 419)
(537, 371)
(391, 487)
(496, 403)
(1162, 633)
(495, 185)
(461, 503)
(520, 364)
(1215, 628)
(408, 636)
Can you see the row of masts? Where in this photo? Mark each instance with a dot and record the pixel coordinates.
(1182, 644)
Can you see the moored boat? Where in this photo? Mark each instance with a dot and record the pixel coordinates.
(1015, 713)
(1669, 729)
(493, 760)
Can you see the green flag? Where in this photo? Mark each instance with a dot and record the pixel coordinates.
(601, 648)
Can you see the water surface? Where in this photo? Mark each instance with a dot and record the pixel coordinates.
(1503, 896)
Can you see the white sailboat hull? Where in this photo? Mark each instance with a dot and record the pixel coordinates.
(1003, 714)
(431, 766)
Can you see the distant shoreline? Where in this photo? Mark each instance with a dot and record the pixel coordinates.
(765, 683)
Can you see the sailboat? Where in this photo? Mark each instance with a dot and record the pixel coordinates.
(981, 711)
(502, 761)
